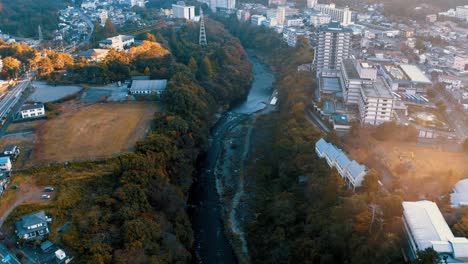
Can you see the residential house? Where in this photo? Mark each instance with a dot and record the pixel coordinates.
(5, 164)
(33, 226)
(119, 42)
(11, 151)
(32, 111)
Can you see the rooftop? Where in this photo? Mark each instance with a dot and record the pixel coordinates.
(330, 85)
(335, 27)
(31, 106)
(151, 85)
(429, 229)
(415, 74)
(378, 89)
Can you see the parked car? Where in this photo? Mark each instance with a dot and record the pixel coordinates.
(45, 196)
(49, 189)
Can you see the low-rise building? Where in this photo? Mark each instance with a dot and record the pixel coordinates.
(451, 81)
(95, 55)
(405, 78)
(119, 42)
(11, 151)
(33, 226)
(32, 111)
(257, 20)
(147, 87)
(460, 63)
(319, 19)
(425, 227)
(431, 18)
(351, 171)
(5, 164)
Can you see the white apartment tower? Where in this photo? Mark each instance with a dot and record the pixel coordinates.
(333, 45)
(223, 4)
(281, 15)
(311, 3)
(376, 103)
(180, 10)
(342, 15)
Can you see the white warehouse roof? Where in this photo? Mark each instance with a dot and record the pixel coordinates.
(415, 74)
(429, 229)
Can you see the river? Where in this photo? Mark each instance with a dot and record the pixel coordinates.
(211, 244)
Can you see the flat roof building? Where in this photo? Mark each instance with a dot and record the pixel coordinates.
(146, 87)
(180, 10)
(459, 197)
(333, 46)
(425, 227)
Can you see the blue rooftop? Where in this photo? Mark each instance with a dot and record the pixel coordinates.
(340, 118)
(322, 145)
(355, 169)
(333, 152)
(343, 161)
(4, 159)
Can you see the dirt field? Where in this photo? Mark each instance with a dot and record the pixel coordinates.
(86, 131)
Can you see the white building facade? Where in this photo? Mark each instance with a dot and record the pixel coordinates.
(333, 46)
(180, 10)
(342, 15)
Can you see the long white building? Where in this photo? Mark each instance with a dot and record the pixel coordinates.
(333, 46)
(342, 15)
(180, 10)
(351, 171)
(425, 227)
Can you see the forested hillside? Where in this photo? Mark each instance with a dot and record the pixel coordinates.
(22, 17)
(131, 208)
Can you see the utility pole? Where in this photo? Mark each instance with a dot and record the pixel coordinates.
(202, 40)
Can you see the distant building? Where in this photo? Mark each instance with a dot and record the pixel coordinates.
(281, 15)
(257, 20)
(351, 171)
(425, 227)
(180, 10)
(95, 55)
(11, 151)
(311, 3)
(32, 111)
(459, 197)
(147, 87)
(103, 16)
(33, 226)
(431, 18)
(294, 22)
(452, 82)
(243, 15)
(461, 12)
(277, 2)
(319, 19)
(460, 62)
(119, 42)
(224, 5)
(355, 73)
(333, 46)
(1, 64)
(342, 15)
(5, 164)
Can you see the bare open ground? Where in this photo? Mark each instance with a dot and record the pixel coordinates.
(90, 131)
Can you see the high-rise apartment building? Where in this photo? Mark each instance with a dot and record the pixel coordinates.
(311, 3)
(333, 45)
(180, 10)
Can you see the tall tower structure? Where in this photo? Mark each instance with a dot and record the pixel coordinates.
(41, 37)
(202, 40)
(333, 45)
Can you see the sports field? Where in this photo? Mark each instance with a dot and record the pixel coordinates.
(93, 131)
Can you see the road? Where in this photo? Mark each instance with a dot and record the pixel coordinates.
(317, 122)
(9, 101)
(456, 118)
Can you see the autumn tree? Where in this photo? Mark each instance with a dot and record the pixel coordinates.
(206, 69)
(193, 66)
(11, 66)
